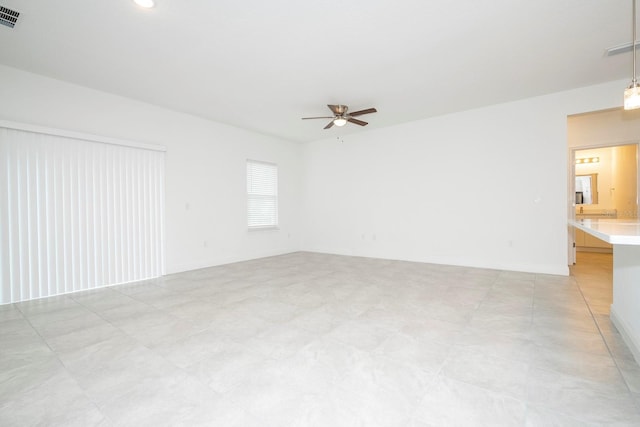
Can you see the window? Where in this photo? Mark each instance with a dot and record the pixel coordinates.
(262, 194)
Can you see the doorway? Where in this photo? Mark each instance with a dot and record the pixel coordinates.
(603, 172)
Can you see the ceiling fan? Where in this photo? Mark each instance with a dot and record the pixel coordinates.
(341, 116)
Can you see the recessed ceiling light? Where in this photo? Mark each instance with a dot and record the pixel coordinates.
(147, 4)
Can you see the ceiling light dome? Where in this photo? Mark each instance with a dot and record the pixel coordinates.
(147, 4)
(340, 121)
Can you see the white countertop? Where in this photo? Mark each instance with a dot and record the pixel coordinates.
(614, 231)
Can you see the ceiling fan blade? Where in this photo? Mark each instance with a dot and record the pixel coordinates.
(310, 118)
(357, 122)
(361, 112)
(329, 125)
(338, 110)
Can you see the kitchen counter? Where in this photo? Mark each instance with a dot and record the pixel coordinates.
(624, 234)
(614, 231)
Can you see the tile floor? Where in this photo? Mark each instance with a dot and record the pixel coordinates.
(320, 340)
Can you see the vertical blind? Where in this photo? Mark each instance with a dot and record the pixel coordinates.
(262, 194)
(77, 214)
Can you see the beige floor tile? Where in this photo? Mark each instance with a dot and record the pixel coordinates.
(306, 339)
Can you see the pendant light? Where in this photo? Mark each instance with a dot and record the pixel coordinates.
(632, 93)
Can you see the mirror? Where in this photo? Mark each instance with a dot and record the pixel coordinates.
(587, 189)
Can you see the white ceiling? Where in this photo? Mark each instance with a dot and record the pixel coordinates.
(262, 65)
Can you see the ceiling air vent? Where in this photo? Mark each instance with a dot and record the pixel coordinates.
(8, 17)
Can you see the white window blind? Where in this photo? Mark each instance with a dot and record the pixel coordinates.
(262, 194)
(77, 214)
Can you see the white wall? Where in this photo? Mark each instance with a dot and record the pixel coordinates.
(205, 166)
(485, 187)
(600, 128)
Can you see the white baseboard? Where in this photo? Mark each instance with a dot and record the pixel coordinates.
(197, 265)
(627, 333)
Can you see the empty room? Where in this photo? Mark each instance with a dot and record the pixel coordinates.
(222, 213)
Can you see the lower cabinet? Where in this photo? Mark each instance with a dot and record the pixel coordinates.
(586, 242)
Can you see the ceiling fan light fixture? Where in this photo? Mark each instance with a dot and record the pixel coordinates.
(340, 121)
(341, 117)
(632, 92)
